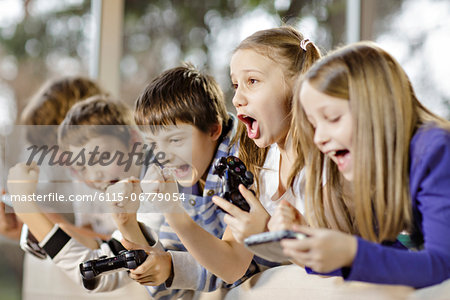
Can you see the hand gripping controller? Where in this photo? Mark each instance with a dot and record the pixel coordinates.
(233, 172)
(91, 269)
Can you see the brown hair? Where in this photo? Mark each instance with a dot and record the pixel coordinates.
(181, 94)
(385, 113)
(100, 111)
(51, 103)
(282, 45)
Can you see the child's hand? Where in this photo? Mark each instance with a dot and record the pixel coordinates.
(10, 226)
(160, 190)
(241, 223)
(127, 191)
(285, 217)
(155, 270)
(157, 180)
(22, 179)
(324, 250)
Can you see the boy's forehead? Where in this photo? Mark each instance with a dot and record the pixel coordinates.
(100, 141)
(168, 130)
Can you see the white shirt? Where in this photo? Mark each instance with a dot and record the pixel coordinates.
(269, 181)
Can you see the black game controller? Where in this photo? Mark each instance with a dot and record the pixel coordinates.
(233, 172)
(92, 268)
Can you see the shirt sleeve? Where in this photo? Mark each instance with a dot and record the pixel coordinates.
(430, 192)
(190, 275)
(67, 254)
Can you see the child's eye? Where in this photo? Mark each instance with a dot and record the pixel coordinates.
(234, 86)
(252, 81)
(335, 119)
(175, 140)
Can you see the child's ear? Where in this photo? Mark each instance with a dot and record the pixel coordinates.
(216, 131)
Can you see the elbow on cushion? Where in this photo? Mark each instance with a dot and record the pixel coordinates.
(232, 277)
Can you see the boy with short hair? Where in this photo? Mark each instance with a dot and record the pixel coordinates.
(183, 112)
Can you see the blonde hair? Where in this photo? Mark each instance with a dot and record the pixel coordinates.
(283, 46)
(51, 103)
(385, 113)
(100, 111)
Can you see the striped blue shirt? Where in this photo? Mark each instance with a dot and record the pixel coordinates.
(188, 273)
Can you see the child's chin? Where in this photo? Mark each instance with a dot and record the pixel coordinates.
(185, 183)
(348, 176)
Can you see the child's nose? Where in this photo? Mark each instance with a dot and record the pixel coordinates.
(168, 156)
(239, 98)
(321, 136)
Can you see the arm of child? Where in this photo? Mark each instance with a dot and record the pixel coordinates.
(385, 264)
(67, 253)
(430, 190)
(175, 272)
(124, 211)
(22, 181)
(323, 250)
(10, 225)
(205, 248)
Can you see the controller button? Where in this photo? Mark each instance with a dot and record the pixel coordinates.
(210, 193)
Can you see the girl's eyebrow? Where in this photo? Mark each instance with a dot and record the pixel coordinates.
(252, 71)
(326, 109)
(248, 71)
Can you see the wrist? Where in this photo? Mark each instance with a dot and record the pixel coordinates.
(127, 225)
(169, 279)
(124, 219)
(177, 219)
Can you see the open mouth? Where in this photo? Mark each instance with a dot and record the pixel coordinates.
(114, 181)
(103, 185)
(342, 158)
(252, 126)
(182, 171)
(341, 153)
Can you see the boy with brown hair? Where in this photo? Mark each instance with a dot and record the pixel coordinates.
(182, 112)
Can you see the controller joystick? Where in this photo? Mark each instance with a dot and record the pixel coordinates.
(233, 172)
(91, 269)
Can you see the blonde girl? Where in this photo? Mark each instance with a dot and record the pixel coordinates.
(263, 70)
(386, 160)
